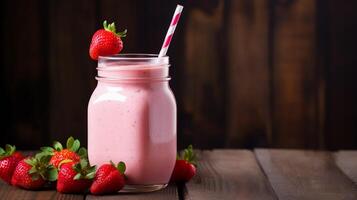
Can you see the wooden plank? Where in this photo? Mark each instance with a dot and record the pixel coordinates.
(228, 174)
(347, 162)
(71, 71)
(13, 193)
(296, 174)
(248, 74)
(203, 72)
(295, 87)
(169, 192)
(341, 74)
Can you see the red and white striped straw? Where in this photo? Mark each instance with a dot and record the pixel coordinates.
(171, 30)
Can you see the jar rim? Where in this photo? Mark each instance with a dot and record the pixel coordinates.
(135, 57)
(134, 66)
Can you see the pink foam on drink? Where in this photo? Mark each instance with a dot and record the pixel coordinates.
(134, 122)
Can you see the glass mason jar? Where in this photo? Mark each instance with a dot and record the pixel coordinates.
(132, 118)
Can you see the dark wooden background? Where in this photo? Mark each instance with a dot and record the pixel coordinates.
(246, 73)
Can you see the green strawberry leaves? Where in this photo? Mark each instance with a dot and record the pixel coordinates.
(83, 163)
(121, 167)
(82, 152)
(72, 145)
(49, 172)
(77, 176)
(40, 167)
(111, 28)
(57, 146)
(84, 170)
(70, 142)
(46, 149)
(52, 174)
(33, 170)
(91, 174)
(189, 155)
(31, 161)
(8, 151)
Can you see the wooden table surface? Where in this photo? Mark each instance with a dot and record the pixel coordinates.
(245, 174)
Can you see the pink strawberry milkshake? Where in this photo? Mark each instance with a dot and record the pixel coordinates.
(132, 118)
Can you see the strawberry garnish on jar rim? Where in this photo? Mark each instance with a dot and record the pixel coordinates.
(106, 41)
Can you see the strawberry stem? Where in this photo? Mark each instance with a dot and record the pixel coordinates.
(57, 146)
(111, 28)
(40, 167)
(9, 150)
(121, 167)
(84, 170)
(189, 155)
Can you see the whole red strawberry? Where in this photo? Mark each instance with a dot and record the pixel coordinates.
(75, 177)
(185, 167)
(8, 162)
(109, 179)
(33, 172)
(72, 152)
(106, 41)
